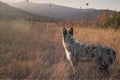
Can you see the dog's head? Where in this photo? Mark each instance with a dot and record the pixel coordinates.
(68, 35)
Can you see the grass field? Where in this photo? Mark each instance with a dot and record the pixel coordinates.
(35, 51)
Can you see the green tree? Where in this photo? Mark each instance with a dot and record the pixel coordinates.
(113, 20)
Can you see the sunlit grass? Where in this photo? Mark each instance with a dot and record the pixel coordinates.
(21, 26)
(35, 51)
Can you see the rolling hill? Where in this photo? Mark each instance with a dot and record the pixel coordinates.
(8, 12)
(59, 12)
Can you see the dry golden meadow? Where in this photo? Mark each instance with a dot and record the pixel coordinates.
(35, 51)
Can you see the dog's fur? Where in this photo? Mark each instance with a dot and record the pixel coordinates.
(75, 51)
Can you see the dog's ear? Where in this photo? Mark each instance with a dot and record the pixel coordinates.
(64, 31)
(71, 30)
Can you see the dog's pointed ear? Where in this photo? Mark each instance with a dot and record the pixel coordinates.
(71, 30)
(64, 31)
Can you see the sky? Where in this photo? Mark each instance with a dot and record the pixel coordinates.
(97, 4)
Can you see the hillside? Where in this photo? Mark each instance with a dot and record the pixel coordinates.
(10, 13)
(57, 11)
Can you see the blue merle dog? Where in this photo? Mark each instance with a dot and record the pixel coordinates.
(75, 51)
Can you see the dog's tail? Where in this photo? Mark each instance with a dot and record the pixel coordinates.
(106, 57)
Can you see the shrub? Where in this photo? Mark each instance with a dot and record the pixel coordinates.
(113, 20)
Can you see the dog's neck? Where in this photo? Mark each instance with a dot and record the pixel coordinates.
(73, 41)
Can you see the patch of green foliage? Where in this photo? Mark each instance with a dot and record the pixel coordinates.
(113, 20)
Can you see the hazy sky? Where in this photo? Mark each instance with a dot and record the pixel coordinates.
(98, 4)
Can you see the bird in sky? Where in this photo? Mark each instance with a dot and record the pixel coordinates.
(87, 4)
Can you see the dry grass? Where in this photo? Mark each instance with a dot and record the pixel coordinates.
(38, 52)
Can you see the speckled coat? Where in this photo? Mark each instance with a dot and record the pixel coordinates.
(76, 51)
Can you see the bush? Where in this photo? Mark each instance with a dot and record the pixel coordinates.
(113, 20)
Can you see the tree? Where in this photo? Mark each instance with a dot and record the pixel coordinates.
(102, 18)
(113, 20)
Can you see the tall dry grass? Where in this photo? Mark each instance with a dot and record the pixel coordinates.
(37, 53)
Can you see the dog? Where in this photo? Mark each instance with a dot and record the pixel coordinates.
(76, 51)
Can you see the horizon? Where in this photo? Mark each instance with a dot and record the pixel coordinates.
(113, 5)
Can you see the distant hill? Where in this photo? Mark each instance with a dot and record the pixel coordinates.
(9, 13)
(59, 12)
